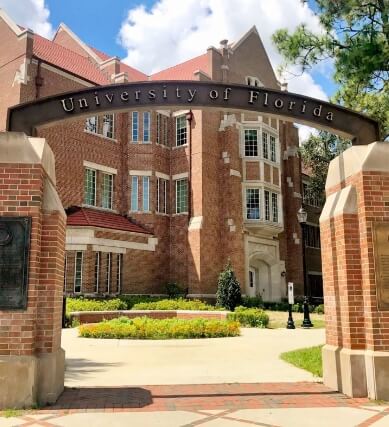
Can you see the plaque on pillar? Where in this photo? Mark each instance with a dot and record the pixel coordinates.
(14, 255)
(381, 253)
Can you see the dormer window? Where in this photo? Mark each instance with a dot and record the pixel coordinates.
(253, 81)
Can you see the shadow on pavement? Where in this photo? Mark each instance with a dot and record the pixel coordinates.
(75, 369)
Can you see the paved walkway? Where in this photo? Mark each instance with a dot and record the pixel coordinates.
(251, 358)
(210, 405)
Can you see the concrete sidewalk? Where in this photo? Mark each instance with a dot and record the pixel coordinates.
(251, 358)
(208, 405)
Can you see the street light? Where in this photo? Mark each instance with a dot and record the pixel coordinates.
(302, 216)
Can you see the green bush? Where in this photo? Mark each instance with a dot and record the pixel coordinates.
(174, 290)
(131, 300)
(145, 328)
(252, 302)
(228, 293)
(85, 304)
(252, 317)
(319, 309)
(173, 304)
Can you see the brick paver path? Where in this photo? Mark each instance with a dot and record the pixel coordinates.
(226, 398)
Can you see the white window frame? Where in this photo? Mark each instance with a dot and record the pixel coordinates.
(260, 192)
(162, 130)
(146, 201)
(186, 130)
(119, 262)
(148, 139)
(95, 185)
(96, 125)
(134, 179)
(106, 133)
(75, 271)
(187, 193)
(135, 129)
(247, 129)
(165, 183)
(109, 270)
(97, 271)
(104, 174)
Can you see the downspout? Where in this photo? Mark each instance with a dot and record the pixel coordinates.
(189, 118)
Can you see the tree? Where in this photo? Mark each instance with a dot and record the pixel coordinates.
(356, 36)
(228, 293)
(316, 153)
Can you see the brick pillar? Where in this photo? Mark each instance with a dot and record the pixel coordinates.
(31, 358)
(356, 354)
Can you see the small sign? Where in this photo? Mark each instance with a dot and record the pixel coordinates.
(14, 254)
(290, 293)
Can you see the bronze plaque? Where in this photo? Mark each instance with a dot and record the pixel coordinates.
(381, 253)
(14, 252)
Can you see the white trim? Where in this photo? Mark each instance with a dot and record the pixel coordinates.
(109, 270)
(97, 278)
(99, 248)
(71, 247)
(75, 271)
(195, 223)
(98, 167)
(88, 240)
(180, 176)
(140, 173)
(162, 175)
(164, 113)
(180, 113)
(66, 75)
(109, 61)
(234, 172)
(12, 25)
(87, 49)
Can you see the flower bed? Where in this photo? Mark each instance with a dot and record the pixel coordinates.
(146, 328)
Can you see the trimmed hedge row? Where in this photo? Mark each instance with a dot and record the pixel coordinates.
(146, 328)
(252, 317)
(81, 304)
(173, 304)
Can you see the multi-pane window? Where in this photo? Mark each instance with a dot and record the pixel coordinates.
(265, 145)
(181, 131)
(162, 195)
(90, 187)
(146, 126)
(107, 183)
(146, 193)
(273, 156)
(108, 126)
(309, 199)
(251, 143)
(162, 129)
(135, 126)
(108, 272)
(267, 205)
(182, 196)
(91, 124)
(78, 272)
(119, 265)
(97, 271)
(312, 236)
(252, 203)
(134, 193)
(274, 205)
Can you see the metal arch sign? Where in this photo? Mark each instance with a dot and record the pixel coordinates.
(193, 94)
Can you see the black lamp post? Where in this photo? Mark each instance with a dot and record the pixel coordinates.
(302, 219)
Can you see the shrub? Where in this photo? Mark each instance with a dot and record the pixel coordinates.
(319, 309)
(252, 317)
(228, 293)
(131, 300)
(145, 328)
(85, 304)
(174, 290)
(173, 304)
(251, 302)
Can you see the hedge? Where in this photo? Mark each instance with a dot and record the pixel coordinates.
(85, 304)
(145, 328)
(252, 317)
(173, 304)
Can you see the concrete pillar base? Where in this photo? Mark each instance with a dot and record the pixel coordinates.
(26, 381)
(357, 373)
(377, 374)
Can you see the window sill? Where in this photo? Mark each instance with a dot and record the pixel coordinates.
(179, 146)
(162, 146)
(141, 212)
(100, 135)
(180, 213)
(141, 142)
(162, 214)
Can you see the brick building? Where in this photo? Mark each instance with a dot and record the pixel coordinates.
(165, 196)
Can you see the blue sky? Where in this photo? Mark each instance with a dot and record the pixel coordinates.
(151, 35)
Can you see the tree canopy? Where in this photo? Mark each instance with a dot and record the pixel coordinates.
(355, 35)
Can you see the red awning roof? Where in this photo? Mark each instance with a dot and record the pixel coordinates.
(87, 217)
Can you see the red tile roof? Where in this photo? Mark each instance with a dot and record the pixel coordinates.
(84, 217)
(183, 71)
(66, 59)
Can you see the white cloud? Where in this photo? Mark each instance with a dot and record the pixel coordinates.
(31, 14)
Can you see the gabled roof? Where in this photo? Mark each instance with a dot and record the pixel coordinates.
(183, 71)
(68, 60)
(87, 217)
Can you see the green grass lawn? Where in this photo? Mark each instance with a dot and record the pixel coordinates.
(306, 358)
(278, 319)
